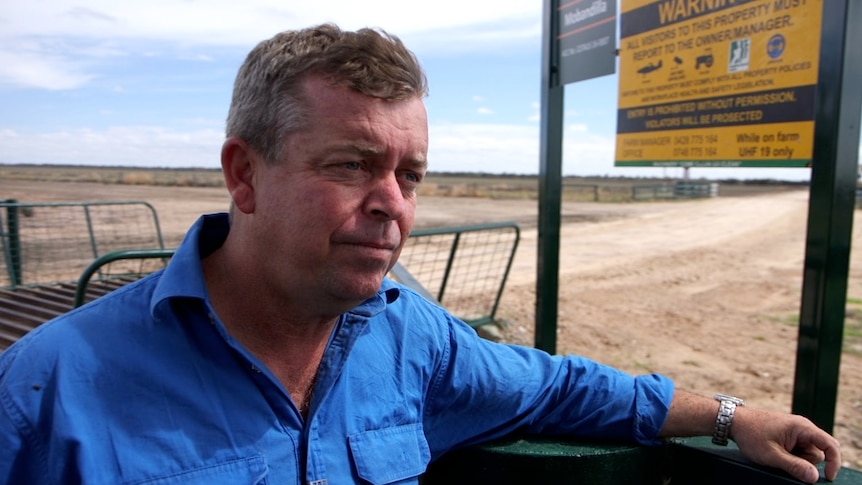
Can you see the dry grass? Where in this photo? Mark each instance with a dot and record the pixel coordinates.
(114, 175)
(521, 187)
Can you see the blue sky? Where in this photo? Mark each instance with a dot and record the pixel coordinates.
(106, 82)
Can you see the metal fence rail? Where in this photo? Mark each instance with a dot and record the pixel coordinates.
(464, 268)
(54, 242)
(86, 290)
(678, 190)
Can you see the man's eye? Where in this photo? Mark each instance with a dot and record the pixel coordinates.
(353, 165)
(413, 177)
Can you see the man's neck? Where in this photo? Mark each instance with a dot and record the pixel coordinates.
(291, 344)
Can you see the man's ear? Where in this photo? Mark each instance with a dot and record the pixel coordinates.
(239, 163)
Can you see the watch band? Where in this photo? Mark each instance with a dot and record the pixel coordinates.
(724, 419)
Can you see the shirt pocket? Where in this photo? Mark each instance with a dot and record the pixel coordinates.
(245, 471)
(390, 455)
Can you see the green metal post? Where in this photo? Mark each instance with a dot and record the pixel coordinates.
(450, 261)
(830, 213)
(550, 186)
(13, 241)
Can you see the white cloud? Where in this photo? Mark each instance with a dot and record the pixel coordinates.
(48, 44)
(536, 114)
(478, 148)
(486, 148)
(244, 23)
(485, 111)
(21, 67)
(141, 146)
(84, 14)
(586, 153)
(500, 148)
(514, 149)
(495, 148)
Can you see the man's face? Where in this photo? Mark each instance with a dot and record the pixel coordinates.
(334, 213)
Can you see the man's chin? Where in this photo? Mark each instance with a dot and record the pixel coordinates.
(362, 289)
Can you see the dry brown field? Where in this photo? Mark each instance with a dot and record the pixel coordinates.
(706, 291)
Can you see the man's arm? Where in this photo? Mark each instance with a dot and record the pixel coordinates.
(781, 440)
(18, 464)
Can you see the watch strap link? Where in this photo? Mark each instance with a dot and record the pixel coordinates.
(724, 419)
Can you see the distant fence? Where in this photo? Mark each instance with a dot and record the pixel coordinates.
(58, 255)
(626, 192)
(678, 190)
(53, 242)
(593, 192)
(578, 191)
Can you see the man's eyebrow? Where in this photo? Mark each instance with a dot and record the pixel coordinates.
(419, 163)
(357, 148)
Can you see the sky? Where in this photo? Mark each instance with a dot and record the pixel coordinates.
(148, 84)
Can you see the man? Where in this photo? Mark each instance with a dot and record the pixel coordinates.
(272, 348)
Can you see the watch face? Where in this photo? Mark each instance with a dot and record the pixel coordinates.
(725, 397)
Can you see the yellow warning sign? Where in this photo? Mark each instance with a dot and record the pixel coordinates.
(718, 83)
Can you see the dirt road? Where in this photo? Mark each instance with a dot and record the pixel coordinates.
(706, 291)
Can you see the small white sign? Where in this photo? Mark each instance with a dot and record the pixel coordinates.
(740, 55)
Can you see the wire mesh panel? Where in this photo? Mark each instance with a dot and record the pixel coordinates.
(53, 242)
(464, 268)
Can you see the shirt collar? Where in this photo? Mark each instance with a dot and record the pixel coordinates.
(184, 276)
(389, 292)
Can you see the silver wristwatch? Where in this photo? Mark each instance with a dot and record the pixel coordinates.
(725, 417)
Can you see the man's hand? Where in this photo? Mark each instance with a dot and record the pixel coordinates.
(789, 442)
(786, 441)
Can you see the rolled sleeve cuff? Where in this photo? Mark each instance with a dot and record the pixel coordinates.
(654, 394)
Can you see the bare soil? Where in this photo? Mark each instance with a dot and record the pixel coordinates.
(706, 291)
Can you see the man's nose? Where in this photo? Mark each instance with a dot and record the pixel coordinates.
(386, 199)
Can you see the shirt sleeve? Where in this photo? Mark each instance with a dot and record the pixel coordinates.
(19, 461)
(485, 390)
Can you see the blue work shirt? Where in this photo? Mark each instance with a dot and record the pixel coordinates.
(145, 385)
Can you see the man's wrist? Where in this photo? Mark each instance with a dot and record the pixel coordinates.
(724, 418)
